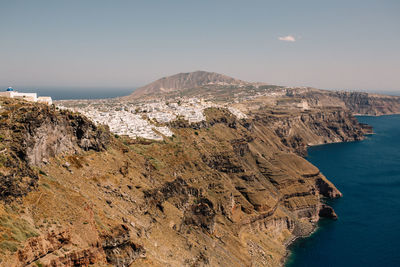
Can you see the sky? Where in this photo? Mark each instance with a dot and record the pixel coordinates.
(352, 45)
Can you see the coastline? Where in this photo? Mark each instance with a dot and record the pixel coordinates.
(297, 238)
(379, 115)
(318, 227)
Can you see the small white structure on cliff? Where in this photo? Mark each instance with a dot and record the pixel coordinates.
(26, 96)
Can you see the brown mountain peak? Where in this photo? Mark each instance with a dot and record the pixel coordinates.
(182, 81)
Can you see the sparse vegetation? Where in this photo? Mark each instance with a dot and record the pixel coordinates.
(15, 231)
(46, 185)
(76, 161)
(8, 246)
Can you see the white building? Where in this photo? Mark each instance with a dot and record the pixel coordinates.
(45, 99)
(26, 96)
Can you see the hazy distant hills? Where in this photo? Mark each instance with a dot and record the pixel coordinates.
(223, 89)
(183, 81)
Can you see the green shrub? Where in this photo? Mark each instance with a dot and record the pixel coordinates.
(9, 245)
(46, 185)
(20, 230)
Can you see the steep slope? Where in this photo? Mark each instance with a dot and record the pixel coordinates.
(181, 81)
(221, 192)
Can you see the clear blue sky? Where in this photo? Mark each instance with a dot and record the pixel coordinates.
(114, 43)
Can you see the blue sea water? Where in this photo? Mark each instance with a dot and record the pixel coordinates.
(65, 93)
(368, 174)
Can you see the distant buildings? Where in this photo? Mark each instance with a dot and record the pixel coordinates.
(145, 120)
(26, 96)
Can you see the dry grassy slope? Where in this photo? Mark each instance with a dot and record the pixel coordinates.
(226, 193)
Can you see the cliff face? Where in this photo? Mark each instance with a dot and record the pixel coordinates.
(223, 192)
(299, 130)
(32, 134)
(370, 104)
(358, 103)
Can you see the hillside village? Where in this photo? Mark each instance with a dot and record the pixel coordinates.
(146, 120)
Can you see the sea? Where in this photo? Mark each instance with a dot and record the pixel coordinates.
(367, 172)
(67, 93)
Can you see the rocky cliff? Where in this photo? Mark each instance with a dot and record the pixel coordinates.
(370, 104)
(358, 103)
(32, 134)
(221, 192)
(298, 130)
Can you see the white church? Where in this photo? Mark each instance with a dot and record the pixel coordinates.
(26, 96)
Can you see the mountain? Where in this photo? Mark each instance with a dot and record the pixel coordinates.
(183, 81)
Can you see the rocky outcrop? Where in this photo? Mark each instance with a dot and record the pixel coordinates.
(201, 214)
(213, 116)
(52, 133)
(224, 162)
(308, 128)
(326, 188)
(52, 249)
(178, 190)
(120, 250)
(369, 104)
(38, 247)
(81, 257)
(327, 212)
(38, 133)
(358, 103)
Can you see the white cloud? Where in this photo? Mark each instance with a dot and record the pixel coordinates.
(288, 38)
